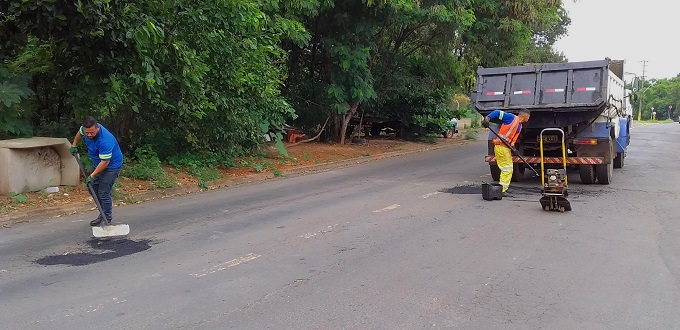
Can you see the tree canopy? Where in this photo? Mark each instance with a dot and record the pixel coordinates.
(213, 76)
(658, 94)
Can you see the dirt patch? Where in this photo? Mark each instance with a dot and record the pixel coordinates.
(301, 156)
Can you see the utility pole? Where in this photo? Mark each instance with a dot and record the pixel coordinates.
(644, 67)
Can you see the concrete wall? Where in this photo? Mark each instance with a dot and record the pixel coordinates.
(467, 122)
(35, 164)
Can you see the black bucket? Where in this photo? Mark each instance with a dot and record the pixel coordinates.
(492, 191)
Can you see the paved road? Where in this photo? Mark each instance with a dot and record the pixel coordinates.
(384, 245)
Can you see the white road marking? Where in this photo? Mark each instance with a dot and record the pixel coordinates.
(391, 207)
(430, 195)
(94, 308)
(310, 235)
(227, 264)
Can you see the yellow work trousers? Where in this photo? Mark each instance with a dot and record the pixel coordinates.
(504, 161)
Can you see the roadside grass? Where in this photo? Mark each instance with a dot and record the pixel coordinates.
(471, 134)
(665, 121)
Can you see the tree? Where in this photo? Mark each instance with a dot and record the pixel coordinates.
(660, 94)
(140, 67)
(405, 59)
(356, 45)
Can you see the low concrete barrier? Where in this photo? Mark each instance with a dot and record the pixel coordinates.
(36, 163)
(467, 122)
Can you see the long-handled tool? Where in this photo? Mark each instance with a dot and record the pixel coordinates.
(554, 181)
(515, 151)
(104, 229)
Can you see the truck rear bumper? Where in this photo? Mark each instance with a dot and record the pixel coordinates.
(553, 160)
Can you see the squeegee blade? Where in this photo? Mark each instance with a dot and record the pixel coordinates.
(110, 231)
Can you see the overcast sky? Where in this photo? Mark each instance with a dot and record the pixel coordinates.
(625, 29)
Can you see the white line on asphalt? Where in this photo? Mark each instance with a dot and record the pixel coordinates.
(327, 230)
(391, 207)
(430, 195)
(227, 264)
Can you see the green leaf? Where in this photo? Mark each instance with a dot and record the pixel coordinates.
(281, 148)
(264, 126)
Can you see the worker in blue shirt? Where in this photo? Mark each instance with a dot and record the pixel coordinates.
(511, 126)
(103, 149)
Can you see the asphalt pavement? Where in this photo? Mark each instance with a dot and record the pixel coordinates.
(399, 243)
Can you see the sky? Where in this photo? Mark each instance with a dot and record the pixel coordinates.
(625, 29)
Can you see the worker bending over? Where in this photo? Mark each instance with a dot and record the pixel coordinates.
(511, 126)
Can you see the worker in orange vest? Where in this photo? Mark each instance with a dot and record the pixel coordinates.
(511, 126)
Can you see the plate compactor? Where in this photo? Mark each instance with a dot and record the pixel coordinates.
(554, 181)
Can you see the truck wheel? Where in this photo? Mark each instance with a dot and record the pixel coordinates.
(495, 172)
(518, 172)
(587, 174)
(618, 161)
(604, 173)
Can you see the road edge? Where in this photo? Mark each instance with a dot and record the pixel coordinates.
(9, 219)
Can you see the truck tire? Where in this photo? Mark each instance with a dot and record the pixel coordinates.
(587, 174)
(604, 173)
(495, 172)
(518, 172)
(618, 161)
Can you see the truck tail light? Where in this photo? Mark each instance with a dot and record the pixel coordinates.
(591, 142)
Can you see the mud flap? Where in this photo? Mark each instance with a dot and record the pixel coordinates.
(110, 231)
(555, 203)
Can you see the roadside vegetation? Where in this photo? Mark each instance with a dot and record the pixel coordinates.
(197, 105)
(656, 95)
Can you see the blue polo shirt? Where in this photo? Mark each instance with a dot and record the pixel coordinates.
(104, 146)
(505, 117)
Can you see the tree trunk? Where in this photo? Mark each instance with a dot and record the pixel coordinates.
(345, 120)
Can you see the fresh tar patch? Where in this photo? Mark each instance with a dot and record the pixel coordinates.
(464, 190)
(97, 251)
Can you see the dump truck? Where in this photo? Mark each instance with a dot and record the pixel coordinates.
(587, 100)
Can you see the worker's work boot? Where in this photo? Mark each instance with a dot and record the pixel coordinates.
(97, 221)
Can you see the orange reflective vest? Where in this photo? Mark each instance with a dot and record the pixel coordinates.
(509, 133)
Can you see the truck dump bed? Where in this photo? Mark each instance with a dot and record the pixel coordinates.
(556, 94)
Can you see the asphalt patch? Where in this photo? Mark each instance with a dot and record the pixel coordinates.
(522, 190)
(98, 251)
(477, 190)
(464, 190)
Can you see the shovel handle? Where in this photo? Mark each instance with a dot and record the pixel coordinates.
(514, 150)
(90, 188)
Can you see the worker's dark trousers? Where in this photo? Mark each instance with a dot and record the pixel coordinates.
(103, 184)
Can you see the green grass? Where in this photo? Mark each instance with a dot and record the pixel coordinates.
(665, 121)
(471, 134)
(17, 198)
(204, 175)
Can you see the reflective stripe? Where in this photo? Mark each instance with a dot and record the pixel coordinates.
(82, 132)
(513, 128)
(107, 156)
(505, 185)
(500, 115)
(506, 168)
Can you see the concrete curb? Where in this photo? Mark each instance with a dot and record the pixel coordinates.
(224, 183)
